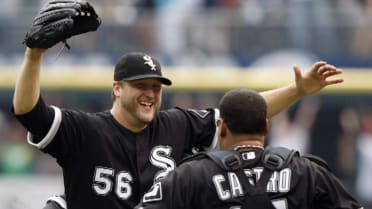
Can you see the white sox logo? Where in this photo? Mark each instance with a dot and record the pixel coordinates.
(149, 62)
(160, 157)
(108, 180)
(154, 194)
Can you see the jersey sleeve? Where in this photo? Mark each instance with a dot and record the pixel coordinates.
(53, 130)
(330, 192)
(41, 123)
(202, 128)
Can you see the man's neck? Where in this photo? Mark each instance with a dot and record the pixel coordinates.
(119, 116)
(248, 143)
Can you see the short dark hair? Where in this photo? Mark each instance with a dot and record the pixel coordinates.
(244, 111)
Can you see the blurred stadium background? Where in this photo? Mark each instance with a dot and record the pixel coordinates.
(206, 47)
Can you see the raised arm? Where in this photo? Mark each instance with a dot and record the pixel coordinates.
(305, 84)
(27, 88)
(56, 22)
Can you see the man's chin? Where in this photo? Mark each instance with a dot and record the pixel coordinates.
(147, 118)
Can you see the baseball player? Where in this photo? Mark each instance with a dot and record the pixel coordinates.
(111, 158)
(245, 175)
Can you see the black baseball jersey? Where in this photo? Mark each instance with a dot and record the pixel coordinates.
(106, 165)
(202, 184)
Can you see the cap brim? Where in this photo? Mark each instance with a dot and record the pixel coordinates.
(163, 80)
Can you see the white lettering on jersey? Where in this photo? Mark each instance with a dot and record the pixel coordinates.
(222, 194)
(154, 194)
(280, 203)
(251, 176)
(280, 181)
(236, 187)
(103, 182)
(284, 183)
(272, 184)
(160, 157)
(123, 188)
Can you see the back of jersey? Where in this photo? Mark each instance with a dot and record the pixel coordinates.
(201, 183)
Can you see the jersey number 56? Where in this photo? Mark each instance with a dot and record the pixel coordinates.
(103, 184)
(104, 177)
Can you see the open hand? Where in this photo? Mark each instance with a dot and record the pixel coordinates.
(318, 77)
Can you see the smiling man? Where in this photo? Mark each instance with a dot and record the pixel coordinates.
(111, 158)
(137, 90)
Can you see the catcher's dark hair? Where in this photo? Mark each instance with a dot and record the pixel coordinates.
(244, 111)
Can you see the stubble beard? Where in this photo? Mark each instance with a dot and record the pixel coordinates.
(139, 116)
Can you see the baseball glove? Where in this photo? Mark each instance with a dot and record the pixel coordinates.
(59, 20)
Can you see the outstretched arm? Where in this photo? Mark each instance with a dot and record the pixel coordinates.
(27, 88)
(54, 23)
(305, 84)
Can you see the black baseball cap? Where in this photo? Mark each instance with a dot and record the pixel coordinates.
(136, 66)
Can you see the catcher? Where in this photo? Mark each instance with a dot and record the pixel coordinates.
(111, 158)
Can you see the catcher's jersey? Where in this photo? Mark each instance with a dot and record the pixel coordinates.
(104, 164)
(202, 184)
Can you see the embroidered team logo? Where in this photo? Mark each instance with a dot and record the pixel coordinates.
(149, 62)
(154, 194)
(161, 157)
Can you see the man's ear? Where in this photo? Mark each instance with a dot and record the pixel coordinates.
(116, 88)
(223, 129)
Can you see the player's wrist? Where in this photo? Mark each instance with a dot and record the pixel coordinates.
(295, 92)
(34, 53)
